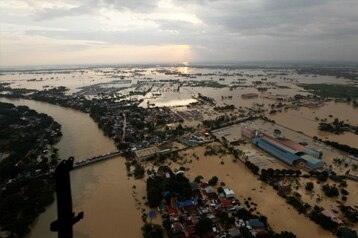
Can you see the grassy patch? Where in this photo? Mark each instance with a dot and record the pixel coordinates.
(207, 83)
(332, 90)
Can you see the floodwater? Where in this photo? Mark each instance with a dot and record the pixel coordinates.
(102, 190)
(303, 120)
(237, 177)
(81, 136)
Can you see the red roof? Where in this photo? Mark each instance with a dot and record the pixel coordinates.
(226, 203)
(291, 144)
(172, 211)
(278, 144)
(191, 208)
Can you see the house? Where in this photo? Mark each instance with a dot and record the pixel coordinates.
(332, 216)
(172, 211)
(227, 204)
(177, 228)
(255, 223)
(234, 233)
(187, 203)
(229, 193)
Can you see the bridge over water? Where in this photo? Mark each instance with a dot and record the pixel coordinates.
(82, 163)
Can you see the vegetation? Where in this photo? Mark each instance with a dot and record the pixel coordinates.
(207, 83)
(339, 72)
(213, 181)
(151, 230)
(254, 168)
(177, 184)
(342, 147)
(267, 174)
(330, 191)
(24, 184)
(204, 226)
(138, 171)
(326, 222)
(212, 150)
(337, 127)
(309, 186)
(225, 108)
(333, 90)
(351, 213)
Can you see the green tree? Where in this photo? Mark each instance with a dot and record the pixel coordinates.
(309, 186)
(213, 181)
(151, 230)
(204, 226)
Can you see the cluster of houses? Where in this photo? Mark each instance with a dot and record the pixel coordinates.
(191, 115)
(124, 124)
(206, 202)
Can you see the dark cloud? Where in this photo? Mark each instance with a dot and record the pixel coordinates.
(227, 30)
(92, 6)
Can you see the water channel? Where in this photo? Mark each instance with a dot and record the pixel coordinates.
(102, 190)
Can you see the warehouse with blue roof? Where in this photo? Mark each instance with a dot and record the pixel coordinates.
(286, 150)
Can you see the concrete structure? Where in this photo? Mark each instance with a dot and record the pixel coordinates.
(289, 151)
(247, 133)
(146, 153)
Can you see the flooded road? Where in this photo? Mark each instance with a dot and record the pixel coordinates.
(102, 191)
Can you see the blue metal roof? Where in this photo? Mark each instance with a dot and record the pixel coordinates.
(187, 203)
(255, 223)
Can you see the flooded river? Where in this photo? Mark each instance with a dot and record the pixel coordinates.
(102, 191)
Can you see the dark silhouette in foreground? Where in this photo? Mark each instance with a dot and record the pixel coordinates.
(66, 217)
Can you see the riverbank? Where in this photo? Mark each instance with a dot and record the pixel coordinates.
(103, 191)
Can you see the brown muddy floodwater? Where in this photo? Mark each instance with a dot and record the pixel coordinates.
(236, 176)
(303, 120)
(102, 190)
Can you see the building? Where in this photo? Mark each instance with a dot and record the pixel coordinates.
(229, 193)
(289, 152)
(332, 216)
(247, 133)
(249, 95)
(146, 153)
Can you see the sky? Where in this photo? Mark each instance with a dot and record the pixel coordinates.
(56, 32)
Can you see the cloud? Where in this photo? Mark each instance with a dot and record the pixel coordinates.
(86, 7)
(216, 30)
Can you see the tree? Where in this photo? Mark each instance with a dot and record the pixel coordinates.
(167, 224)
(284, 234)
(245, 232)
(154, 196)
(213, 181)
(309, 186)
(139, 171)
(151, 230)
(330, 191)
(204, 226)
(277, 132)
(198, 179)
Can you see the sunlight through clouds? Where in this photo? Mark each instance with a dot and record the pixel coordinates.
(212, 31)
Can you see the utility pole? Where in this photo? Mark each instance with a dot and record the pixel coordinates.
(66, 218)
